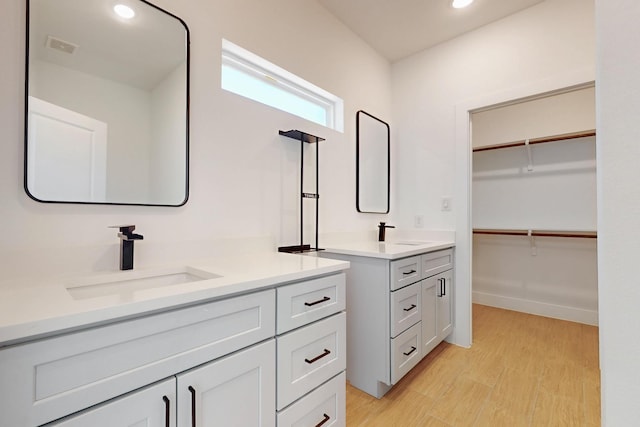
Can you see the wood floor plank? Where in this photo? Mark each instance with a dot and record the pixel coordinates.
(522, 370)
(461, 403)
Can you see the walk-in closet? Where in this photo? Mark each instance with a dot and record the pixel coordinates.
(534, 206)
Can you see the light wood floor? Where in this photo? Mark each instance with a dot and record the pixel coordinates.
(522, 370)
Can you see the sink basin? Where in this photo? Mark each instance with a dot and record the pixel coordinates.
(127, 282)
(411, 243)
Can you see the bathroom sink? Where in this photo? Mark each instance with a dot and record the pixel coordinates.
(411, 243)
(126, 282)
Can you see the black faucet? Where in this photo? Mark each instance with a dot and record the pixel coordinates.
(381, 229)
(127, 237)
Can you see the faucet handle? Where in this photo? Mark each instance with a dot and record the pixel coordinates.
(126, 231)
(124, 228)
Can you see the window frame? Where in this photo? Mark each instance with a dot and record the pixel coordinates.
(246, 62)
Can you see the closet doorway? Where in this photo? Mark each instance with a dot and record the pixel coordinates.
(534, 206)
(534, 252)
(533, 220)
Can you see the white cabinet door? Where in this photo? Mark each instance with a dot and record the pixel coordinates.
(445, 313)
(430, 289)
(152, 406)
(235, 391)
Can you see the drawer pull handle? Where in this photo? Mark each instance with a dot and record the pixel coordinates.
(443, 287)
(406, 273)
(193, 406)
(309, 304)
(167, 411)
(315, 359)
(324, 420)
(410, 351)
(411, 307)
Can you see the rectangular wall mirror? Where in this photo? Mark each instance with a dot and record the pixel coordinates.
(373, 164)
(107, 103)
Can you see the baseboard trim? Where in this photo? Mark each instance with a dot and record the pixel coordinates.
(588, 317)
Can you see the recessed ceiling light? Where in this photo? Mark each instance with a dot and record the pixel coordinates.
(459, 4)
(124, 11)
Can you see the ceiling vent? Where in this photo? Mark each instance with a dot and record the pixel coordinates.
(61, 45)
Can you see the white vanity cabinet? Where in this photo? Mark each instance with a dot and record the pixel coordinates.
(312, 353)
(208, 364)
(398, 309)
(237, 390)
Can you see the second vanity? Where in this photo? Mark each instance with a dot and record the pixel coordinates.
(399, 305)
(257, 341)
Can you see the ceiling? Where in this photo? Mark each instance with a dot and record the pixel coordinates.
(140, 52)
(399, 28)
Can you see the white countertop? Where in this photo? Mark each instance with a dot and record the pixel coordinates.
(44, 307)
(387, 250)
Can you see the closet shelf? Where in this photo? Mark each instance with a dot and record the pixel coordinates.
(537, 233)
(541, 140)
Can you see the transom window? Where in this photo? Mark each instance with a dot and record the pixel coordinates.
(246, 74)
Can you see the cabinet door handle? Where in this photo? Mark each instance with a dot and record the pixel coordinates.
(167, 411)
(406, 273)
(193, 406)
(325, 418)
(411, 307)
(440, 295)
(315, 359)
(410, 351)
(444, 286)
(309, 304)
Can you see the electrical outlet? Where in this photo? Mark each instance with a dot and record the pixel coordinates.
(418, 221)
(446, 204)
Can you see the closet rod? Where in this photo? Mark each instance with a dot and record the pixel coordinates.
(539, 233)
(541, 140)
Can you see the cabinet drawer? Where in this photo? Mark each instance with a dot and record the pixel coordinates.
(309, 356)
(306, 302)
(324, 406)
(47, 379)
(436, 262)
(405, 271)
(405, 352)
(405, 308)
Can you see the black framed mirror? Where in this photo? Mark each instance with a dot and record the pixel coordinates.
(106, 103)
(373, 164)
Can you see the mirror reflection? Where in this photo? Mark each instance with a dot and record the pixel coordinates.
(107, 103)
(372, 164)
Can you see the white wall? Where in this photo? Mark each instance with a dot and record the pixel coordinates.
(521, 55)
(240, 167)
(617, 109)
(559, 193)
(558, 277)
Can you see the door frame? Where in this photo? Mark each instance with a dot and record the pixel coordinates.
(462, 334)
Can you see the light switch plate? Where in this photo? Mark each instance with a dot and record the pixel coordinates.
(446, 204)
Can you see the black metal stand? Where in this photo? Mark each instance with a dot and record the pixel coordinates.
(311, 139)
